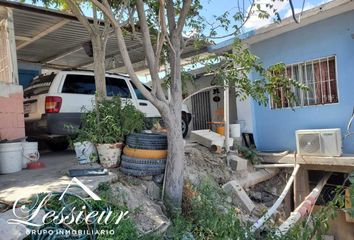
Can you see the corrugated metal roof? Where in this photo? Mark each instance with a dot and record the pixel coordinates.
(61, 48)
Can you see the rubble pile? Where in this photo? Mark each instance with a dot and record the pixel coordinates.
(200, 163)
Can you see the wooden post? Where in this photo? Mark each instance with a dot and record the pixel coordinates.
(301, 186)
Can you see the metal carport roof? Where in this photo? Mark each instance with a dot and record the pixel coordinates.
(54, 39)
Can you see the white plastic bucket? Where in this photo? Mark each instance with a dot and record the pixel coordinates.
(30, 153)
(10, 157)
(235, 130)
(85, 152)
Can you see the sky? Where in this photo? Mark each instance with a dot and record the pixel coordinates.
(218, 7)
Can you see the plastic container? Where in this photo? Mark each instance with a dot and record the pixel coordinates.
(85, 152)
(220, 130)
(30, 153)
(10, 157)
(109, 154)
(235, 130)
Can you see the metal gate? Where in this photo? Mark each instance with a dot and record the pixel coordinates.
(201, 110)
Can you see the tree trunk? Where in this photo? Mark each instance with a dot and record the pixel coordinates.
(99, 56)
(175, 161)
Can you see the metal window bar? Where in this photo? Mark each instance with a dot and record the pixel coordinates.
(307, 84)
(314, 83)
(304, 79)
(320, 82)
(329, 82)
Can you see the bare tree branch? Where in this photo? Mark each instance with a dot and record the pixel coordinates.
(153, 62)
(171, 16)
(78, 13)
(163, 26)
(126, 58)
(183, 15)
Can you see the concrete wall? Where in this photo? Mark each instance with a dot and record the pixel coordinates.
(11, 112)
(244, 114)
(274, 129)
(11, 94)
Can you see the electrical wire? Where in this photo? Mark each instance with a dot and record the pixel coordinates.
(293, 11)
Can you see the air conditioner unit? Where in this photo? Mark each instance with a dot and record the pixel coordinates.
(319, 142)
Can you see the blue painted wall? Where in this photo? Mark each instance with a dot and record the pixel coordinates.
(27, 71)
(274, 129)
(26, 76)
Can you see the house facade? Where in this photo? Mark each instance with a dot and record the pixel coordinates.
(319, 53)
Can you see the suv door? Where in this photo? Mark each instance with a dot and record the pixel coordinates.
(78, 91)
(143, 104)
(118, 87)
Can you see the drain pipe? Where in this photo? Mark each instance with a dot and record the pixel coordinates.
(275, 206)
(304, 208)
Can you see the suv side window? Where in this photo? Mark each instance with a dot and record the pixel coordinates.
(138, 94)
(117, 87)
(81, 84)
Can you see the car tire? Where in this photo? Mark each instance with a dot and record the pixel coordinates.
(184, 127)
(140, 173)
(144, 161)
(142, 167)
(57, 146)
(147, 141)
(144, 153)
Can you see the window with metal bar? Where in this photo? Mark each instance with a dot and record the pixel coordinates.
(319, 76)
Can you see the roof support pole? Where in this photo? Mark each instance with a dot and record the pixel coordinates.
(44, 33)
(8, 56)
(227, 117)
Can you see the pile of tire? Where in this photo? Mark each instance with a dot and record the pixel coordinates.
(144, 154)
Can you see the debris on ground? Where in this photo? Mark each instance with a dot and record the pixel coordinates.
(239, 196)
(142, 198)
(208, 138)
(260, 188)
(17, 231)
(200, 163)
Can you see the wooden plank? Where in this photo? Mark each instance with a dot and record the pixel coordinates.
(301, 186)
(343, 163)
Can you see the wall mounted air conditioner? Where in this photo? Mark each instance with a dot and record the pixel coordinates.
(319, 142)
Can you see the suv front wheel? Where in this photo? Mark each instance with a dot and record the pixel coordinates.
(184, 127)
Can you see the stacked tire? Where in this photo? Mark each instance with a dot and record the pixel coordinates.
(144, 154)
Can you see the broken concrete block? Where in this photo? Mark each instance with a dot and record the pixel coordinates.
(237, 163)
(13, 231)
(239, 195)
(208, 138)
(153, 190)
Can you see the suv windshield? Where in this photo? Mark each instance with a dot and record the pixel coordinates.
(39, 85)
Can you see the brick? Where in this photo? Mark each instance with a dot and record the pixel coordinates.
(18, 96)
(12, 133)
(20, 121)
(3, 104)
(6, 120)
(237, 163)
(239, 196)
(18, 133)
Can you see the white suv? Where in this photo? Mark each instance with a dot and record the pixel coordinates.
(51, 101)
